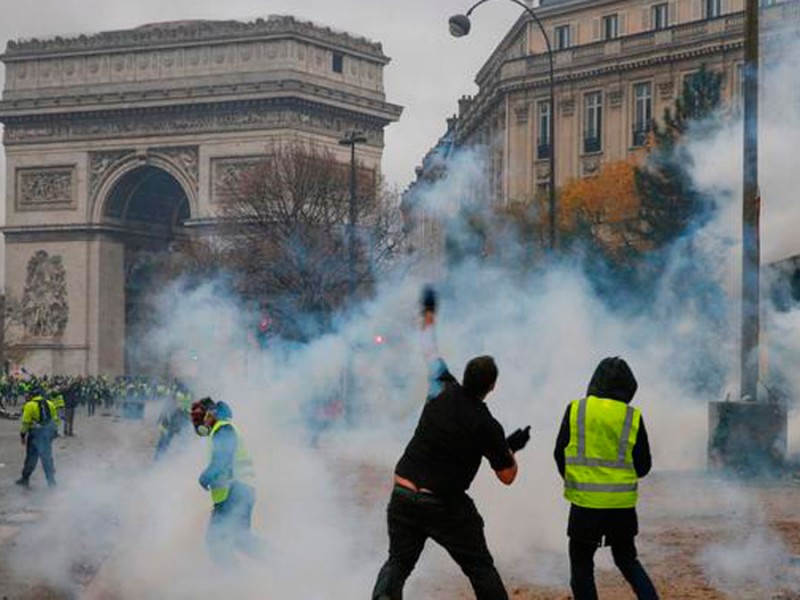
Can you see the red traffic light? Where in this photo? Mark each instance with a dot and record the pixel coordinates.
(379, 340)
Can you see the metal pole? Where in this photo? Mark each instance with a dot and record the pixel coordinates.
(3, 369)
(751, 250)
(552, 128)
(552, 134)
(352, 232)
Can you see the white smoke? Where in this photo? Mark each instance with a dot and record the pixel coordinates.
(320, 509)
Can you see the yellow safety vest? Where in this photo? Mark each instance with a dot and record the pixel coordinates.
(243, 470)
(599, 457)
(33, 417)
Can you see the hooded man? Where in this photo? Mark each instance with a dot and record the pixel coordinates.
(601, 452)
(455, 432)
(229, 477)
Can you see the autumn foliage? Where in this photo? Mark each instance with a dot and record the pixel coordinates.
(605, 206)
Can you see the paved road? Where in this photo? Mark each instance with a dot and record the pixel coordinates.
(23, 513)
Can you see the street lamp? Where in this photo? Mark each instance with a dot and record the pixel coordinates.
(351, 139)
(459, 27)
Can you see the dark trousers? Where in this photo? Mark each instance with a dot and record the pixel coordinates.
(69, 420)
(454, 524)
(229, 527)
(39, 445)
(581, 560)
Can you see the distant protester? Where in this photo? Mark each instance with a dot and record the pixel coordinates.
(38, 429)
(230, 478)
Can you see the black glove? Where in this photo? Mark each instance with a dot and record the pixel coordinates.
(519, 439)
(428, 299)
(23, 438)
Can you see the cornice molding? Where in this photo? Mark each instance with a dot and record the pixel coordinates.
(79, 232)
(295, 113)
(684, 46)
(258, 92)
(483, 106)
(191, 31)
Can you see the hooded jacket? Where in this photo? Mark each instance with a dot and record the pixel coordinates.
(612, 379)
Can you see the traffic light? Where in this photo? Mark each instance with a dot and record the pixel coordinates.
(264, 330)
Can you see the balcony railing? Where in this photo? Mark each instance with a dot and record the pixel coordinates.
(592, 144)
(640, 135)
(543, 150)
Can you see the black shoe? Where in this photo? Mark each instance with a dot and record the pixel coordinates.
(51, 484)
(23, 482)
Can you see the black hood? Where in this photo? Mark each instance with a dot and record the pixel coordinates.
(614, 379)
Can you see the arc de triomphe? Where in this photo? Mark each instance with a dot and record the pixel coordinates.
(114, 140)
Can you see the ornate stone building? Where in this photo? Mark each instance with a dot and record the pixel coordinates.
(618, 64)
(114, 141)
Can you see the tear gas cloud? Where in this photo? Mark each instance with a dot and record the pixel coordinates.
(320, 509)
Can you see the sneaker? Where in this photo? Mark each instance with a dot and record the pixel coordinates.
(23, 482)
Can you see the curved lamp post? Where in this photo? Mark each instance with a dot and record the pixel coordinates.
(460, 26)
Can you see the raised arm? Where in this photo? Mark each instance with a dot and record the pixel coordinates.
(438, 374)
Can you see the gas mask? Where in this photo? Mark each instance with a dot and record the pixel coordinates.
(200, 414)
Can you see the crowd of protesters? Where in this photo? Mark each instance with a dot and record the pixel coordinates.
(69, 393)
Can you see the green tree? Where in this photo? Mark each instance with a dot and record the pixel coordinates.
(670, 199)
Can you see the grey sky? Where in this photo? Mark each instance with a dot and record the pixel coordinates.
(429, 70)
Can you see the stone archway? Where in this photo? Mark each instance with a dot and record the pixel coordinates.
(150, 206)
(92, 123)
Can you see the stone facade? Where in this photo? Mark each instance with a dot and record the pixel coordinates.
(193, 101)
(628, 57)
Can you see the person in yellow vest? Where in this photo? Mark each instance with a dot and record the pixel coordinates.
(173, 420)
(601, 452)
(230, 478)
(39, 428)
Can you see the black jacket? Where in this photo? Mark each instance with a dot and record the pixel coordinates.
(612, 379)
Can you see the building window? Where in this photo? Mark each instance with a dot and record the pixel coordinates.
(543, 146)
(660, 14)
(562, 37)
(643, 112)
(610, 27)
(690, 80)
(593, 122)
(338, 63)
(713, 9)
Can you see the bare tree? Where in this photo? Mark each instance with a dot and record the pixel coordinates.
(12, 331)
(288, 221)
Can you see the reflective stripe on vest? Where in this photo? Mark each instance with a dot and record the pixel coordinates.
(243, 470)
(599, 457)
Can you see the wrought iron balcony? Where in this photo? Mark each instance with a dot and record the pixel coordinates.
(543, 150)
(592, 144)
(640, 135)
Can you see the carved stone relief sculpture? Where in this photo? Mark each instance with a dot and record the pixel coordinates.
(45, 188)
(45, 311)
(226, 173)
(99, 165)
(185, 158)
